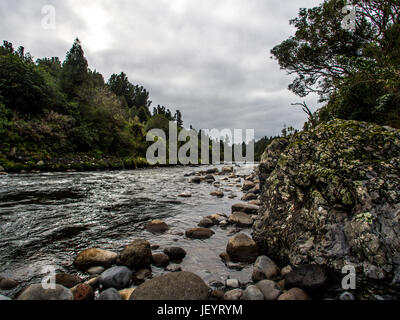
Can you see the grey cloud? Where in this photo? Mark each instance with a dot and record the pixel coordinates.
(210, 59)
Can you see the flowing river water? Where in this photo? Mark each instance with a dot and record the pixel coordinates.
(47, 219)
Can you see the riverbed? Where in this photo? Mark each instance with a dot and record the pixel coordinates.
(47, 219)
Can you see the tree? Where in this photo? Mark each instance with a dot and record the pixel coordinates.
(178, 119)
(357, 73)
(74, 70)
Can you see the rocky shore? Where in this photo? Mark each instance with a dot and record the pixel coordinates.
(319, 201)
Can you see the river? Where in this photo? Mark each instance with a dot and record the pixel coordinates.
(47, 219)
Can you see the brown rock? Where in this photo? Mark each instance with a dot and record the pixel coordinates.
(141, 276)
(199, 233)
(206, 223)
(8, 284)
(136, 255)
(126, 293)
(294, 294)
(68, 280)
(157, 226)
(95, 257)
(173, 286)
(160, 260)
(245, 207)
(269, 289)
(83, 292)
(241, 248)
(241, 219)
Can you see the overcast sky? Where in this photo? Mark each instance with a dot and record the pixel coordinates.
(209, 58)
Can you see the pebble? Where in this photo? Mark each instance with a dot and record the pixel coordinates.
(233, 295)
(232, 283)
(109, 294)
(173, 268)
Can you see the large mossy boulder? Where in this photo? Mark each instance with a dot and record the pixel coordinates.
(331, 196)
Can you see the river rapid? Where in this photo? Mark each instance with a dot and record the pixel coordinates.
(47, 219)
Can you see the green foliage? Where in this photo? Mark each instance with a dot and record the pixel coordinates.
(356, 73)
(75, 69)
(50, 110)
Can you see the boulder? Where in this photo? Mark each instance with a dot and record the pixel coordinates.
(157, 226)
(7, 284)
(332, 195)
(245, 207)
(160, 260)
(110, 295)
(264, 268)
(217, 218)
(294, 294)
(206, 223)
(173, 286)
(270, 289)
(253, 293)
(116, 277)
(36, 292)
(68, 280)
(141, 276)
(199, 233)
(241, 248)
(136, 255)
(233, 295)
(175, 253)
(83, 292)
(311, 278)
(95, 257)
(126, 293)
(241, 219)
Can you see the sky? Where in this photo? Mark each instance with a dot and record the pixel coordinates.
(210, 59)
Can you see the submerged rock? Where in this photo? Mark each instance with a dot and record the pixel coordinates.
(95, 257)
(157, 226)
(332, 195)
(173, 286)
(206, 223)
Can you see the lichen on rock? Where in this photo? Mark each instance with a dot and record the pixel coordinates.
(331, 196)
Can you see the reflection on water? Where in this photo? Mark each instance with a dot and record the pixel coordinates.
(47, 219)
